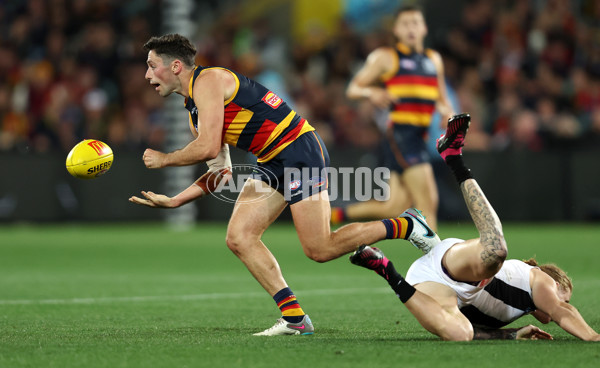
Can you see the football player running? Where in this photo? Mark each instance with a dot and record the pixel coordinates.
(464, 290)
(227, 108)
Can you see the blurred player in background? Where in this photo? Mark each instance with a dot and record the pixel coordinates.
(464, 290)
(227, 108)
(409, 81)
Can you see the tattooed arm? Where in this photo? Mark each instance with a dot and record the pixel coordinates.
(488, 224)
(529, 332)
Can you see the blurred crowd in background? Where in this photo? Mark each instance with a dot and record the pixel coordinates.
(527, 71)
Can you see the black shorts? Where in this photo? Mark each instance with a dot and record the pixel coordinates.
(405, 146)
(299, 171)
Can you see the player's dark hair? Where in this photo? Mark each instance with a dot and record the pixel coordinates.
(173, 46)
(555, 272)
(409, 8)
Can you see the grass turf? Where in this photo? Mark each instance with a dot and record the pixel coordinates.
(145, 296)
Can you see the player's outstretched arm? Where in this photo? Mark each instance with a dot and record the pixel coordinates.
(219, 172)
(206, 184)
(529, 332)
(545, 297)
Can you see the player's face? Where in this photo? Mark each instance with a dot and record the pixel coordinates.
(410, 28)
(159, 74)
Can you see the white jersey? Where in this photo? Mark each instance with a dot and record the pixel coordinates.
(504, 299)
(491, 303)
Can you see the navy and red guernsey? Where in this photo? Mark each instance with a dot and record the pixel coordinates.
(256, 119)
(414, 83)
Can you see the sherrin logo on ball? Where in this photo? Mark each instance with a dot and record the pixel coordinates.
(89, 159)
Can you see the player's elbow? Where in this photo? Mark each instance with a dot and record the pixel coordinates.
(351, 92)
(212, 152)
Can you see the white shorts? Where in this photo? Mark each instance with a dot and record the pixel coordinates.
(429, 268)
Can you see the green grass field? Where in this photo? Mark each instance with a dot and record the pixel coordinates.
(144, 296)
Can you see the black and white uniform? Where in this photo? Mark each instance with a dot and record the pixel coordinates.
(490, 303)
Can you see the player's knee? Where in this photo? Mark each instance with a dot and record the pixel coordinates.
(235, 241)
(457, 333)
(316, 254)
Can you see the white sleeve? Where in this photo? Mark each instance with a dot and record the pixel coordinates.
(220, 162)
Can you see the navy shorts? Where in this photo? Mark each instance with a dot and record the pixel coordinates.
(405, 146)
(299, 171)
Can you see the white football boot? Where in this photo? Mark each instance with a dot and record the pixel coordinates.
(422, 236)
(283, 327)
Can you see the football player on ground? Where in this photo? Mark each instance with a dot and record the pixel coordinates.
(227, 108)
(465, 290)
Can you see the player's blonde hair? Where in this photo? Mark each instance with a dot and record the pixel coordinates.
(555, 272)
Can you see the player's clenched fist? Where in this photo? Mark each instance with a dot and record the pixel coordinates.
(153, 159)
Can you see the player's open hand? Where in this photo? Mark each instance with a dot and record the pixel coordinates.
(154, 200)
(153, 159)
(532, 332)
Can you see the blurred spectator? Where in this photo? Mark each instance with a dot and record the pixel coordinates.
(527, 71)
(59, 67)
(524, 133)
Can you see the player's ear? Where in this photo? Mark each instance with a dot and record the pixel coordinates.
(176, 66)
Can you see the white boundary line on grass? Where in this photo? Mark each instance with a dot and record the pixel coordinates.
(208, 296)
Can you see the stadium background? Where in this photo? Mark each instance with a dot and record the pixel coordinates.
(89, 280)
(528, 71)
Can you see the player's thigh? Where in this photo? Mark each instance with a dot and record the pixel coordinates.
(443, 294)
(446, 298)
(464, 263)
(257, 206)
(311, 219)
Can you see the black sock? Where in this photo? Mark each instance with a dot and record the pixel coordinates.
(403, 289)
(458, 168)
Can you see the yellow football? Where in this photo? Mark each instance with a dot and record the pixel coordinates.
(89, 159)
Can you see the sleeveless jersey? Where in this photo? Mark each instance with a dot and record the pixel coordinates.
(256, 119)
(504, 299)
(414, 84)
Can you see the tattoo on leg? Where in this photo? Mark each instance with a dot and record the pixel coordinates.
(487, 222)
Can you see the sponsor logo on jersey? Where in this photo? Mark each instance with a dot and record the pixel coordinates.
(316, 181)
(272, 100)
(295, 184)
(408, 64)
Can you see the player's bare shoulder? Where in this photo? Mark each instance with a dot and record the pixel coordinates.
(215, 79)
(381, 61)
(539, 277)
(383, 56)
(435, 57)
